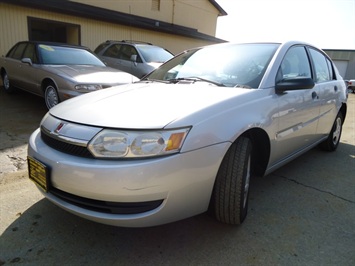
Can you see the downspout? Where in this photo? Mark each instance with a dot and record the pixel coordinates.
(173, 13)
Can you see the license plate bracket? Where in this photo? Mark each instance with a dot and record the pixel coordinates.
(38, 173)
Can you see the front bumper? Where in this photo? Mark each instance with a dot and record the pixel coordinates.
(182, 183)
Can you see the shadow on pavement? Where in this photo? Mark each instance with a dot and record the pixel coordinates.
(295, 216)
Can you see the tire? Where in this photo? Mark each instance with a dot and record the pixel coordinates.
(51, 95)
(332, 142)
(230, 196)
(6, 84)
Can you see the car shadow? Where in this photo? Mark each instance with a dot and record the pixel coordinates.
(293, 208)
(20, 114)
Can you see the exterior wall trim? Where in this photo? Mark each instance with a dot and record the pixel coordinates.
(101, 14)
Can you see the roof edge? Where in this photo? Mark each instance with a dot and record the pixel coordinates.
(102, 14)
(218, 7)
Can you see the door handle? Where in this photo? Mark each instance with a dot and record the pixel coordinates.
(314, 96)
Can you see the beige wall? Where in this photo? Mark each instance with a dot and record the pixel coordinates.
(13, 28)
(197, 14)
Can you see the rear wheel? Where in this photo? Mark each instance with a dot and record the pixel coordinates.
(51, 95)
(332, 142)
(230, 196)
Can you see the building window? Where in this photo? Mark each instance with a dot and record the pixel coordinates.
(52, 31)
(156, 5)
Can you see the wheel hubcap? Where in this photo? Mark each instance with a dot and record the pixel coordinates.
(6, 82)
(51, 97)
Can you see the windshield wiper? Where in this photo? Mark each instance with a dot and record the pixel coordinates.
(154, 80)
(194, 79)
(242, 86)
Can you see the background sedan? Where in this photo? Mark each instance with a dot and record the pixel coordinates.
(57, 71)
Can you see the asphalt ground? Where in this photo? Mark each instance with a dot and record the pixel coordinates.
(301, 214)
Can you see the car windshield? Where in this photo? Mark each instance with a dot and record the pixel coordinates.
(57, 55)
(154, 54)
(231, 65)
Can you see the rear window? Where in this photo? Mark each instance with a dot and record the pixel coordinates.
(101, 47)
(323, 67)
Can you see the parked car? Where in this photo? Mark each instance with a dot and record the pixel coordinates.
(57, 71)
(189, 136)
(351, 86)
(134, 57)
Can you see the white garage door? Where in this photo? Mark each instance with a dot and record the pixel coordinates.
(342, 65)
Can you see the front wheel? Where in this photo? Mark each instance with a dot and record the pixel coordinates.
(51, 95)
(6, 83)
(229, 201)
(332, 142)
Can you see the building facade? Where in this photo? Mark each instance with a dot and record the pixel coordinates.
(173, 24)
(345, 62)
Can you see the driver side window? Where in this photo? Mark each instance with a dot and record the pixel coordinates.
(295, 64)
(127, 51)
(30, 52)
(113, 51)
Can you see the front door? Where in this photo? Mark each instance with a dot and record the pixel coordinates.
(298, 109)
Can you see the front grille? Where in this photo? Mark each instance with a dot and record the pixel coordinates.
(107, 206)
(65, 147)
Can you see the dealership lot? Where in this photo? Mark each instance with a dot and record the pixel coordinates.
(302, 214)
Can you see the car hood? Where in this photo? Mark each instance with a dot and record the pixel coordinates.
(93, 74)
(142, 105)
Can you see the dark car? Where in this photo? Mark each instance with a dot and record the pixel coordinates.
(137, 58)
(57, 71)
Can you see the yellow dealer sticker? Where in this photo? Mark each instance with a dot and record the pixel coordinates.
(38, 173)
(46, 47)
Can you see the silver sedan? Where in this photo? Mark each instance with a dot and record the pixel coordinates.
(189, 136)
(57, 71)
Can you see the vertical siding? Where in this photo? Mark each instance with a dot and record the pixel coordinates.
(197, 14)
(347, 56)
(13, 28)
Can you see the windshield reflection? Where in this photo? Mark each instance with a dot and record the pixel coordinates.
(232, 65)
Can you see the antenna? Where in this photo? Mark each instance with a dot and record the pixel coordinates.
(130, 25)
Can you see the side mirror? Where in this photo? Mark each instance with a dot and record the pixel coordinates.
(134, 58)
(294, 84)
(26, 61)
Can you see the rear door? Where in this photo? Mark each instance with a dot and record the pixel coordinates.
(328, 91)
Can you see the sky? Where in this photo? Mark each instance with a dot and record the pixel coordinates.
(327, 24)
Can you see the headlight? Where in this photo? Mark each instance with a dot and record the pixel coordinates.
(88, 87)
(130, 144)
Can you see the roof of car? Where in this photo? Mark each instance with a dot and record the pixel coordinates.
(128, 41)
(56, 44)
